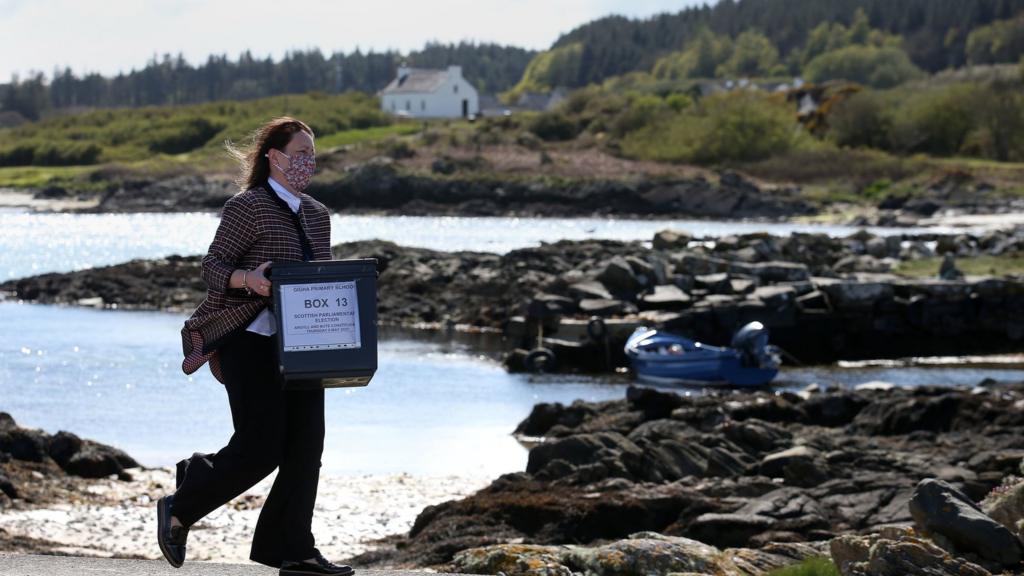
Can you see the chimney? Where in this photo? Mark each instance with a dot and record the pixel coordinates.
(455, 71)
(403, 71)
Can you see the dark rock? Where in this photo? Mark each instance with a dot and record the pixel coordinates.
(717, 283)
(837, 409)
(24, 444)
(799, 466)
(7, 487)
(544, 416)
(63, 446)
(555, 469)
(856, 295)
(728, 529)
(939, 508)
(618, 277)
(776, 296)
(908, 415)
(877, 247)
(666, 297)
(644, 270)
(757, 436)
(861, 263)
(589, 289)
(742, 285)
(922, 206)
(671, 240)
(693, 264)
(814, 300)
(583, 449)
(948, 269)
(95, 461)
(771, 409)
(603, 307)
(545, 305)
(776, 271)
(653, 403)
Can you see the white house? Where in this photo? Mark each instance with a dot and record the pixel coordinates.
(430, 94)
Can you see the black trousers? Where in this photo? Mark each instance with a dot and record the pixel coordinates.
(273, 428)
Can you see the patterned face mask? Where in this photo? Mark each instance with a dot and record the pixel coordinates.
(300, 170)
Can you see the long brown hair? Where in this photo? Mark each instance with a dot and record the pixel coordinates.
(254, 166)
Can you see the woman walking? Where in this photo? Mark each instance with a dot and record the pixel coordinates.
(271, 219)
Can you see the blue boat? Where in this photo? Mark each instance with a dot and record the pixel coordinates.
(663, 358)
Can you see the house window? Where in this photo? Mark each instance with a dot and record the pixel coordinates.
(392, 105)
(423, 104)
(455, 89)
(408, 105)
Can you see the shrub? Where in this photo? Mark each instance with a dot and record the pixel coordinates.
(863, 120)
(398, 149)
(933, 121)
(528, 140)
(880, 67)
(1000, 125)
(734, 127)
(361, 118)
(56, 153)
(131, 134)
(641, 111)
(17, 155)
(183, 135)
(678, 102)
(826, 164)
(554, 125)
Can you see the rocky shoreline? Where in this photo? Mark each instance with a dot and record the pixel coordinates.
(60, 494)
(822, 298)
(38, 469)
(739, 483)
(875, 480)
(378, 186)
(462, 185)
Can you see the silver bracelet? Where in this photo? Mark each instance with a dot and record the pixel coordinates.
(244, 284)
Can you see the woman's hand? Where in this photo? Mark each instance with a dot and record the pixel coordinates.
(257, 281)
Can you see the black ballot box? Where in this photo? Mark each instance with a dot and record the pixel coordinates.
(326, 314)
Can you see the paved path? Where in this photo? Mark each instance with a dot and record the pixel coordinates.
(31, 565)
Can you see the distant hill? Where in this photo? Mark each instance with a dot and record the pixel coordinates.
(172, 80)
(906, 38)
(936, 34)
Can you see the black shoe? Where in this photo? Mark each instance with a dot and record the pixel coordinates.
(318, 566)
(171, 538)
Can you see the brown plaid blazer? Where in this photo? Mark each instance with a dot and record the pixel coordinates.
(255, 226)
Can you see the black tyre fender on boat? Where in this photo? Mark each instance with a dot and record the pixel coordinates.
(540, 360)
(596, 328)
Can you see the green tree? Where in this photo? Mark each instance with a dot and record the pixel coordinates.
(873, 66)
(753, 54)
(724, 128)
(1002, 41)
(860, 29)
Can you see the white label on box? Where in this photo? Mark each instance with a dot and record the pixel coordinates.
(320, 316)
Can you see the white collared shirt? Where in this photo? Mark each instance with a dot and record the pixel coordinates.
(292, 200)
(264, 323)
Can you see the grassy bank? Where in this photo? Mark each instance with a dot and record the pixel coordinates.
(619, 130)
(977, 266)
(820, 566)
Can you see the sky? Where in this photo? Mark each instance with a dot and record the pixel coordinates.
(109, 36)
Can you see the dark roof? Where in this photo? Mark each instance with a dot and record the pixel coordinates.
(417, 80)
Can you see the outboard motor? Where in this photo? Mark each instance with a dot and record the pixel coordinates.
(751, 341)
